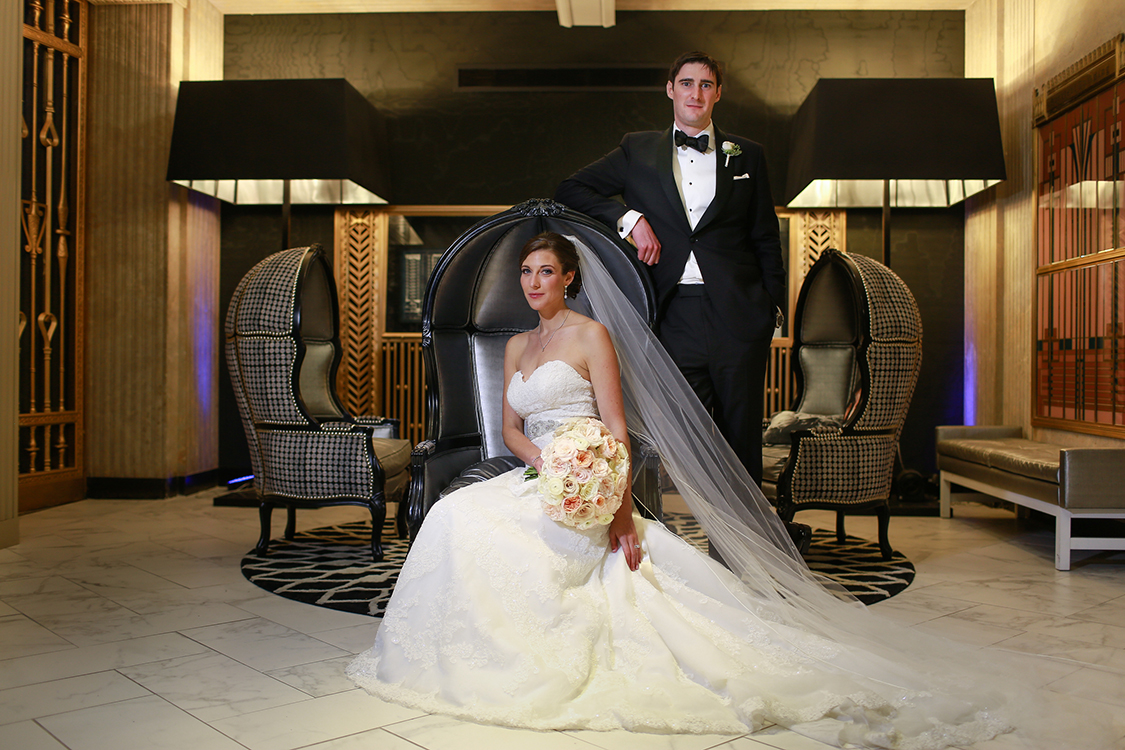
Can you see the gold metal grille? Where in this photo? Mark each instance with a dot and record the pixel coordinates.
(51, 253)
(778, 394)
(404, 385)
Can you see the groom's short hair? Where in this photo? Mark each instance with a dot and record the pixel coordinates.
(704, 59)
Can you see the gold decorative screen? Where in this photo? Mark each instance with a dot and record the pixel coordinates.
(1080, 285)
(51, 254)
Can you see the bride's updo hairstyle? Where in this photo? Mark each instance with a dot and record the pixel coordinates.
(565, 253)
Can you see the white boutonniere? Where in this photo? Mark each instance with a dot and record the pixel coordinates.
(731, 149)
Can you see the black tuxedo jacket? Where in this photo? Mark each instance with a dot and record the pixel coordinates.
(736, 243)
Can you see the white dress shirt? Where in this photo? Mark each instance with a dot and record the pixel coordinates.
(695, 180)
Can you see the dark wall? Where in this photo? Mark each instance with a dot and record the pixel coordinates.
(447, 146)
(927, 252)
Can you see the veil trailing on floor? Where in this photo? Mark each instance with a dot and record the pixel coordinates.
(950, 681)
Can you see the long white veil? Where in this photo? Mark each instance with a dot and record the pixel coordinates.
(778, 588)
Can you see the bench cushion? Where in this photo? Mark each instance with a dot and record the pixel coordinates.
(1028, 458)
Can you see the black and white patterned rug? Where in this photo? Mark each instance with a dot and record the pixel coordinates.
(331, 566)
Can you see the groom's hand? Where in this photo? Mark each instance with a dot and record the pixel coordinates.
(648, 247)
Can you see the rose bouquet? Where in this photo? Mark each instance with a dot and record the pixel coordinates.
(584, 474)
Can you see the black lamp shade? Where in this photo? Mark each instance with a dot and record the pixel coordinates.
(297, 129)
(904, 129)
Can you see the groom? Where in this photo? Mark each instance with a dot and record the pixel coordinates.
(698, 206)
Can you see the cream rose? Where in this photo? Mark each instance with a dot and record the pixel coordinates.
(570, 486)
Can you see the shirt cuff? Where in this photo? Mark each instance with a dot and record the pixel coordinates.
(626, 223)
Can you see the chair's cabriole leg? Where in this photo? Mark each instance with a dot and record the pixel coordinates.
(378, 508)
(884, 515)
(290, 521)
(841, 535)
(265, 510)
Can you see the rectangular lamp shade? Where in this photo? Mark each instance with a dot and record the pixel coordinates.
(936, 139)
(240, 140)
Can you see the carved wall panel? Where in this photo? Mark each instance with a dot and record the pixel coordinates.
(360, 265)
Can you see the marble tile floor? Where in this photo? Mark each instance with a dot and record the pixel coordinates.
(126, 625)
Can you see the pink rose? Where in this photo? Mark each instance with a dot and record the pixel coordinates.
(584, 459)
(583, 475)
(556, 467)
(570, 486)
(609, 448)
(571, 504)
(600, 467)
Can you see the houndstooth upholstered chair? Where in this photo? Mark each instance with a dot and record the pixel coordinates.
(857, 350)
(473, 305)
(282, 349)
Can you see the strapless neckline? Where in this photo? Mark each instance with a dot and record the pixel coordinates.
(547, 364)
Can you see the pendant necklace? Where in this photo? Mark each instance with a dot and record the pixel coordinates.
(542, 346)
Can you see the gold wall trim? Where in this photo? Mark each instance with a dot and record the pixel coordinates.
(52, 41)
(1105, 256)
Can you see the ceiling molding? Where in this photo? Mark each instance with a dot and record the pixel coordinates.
(265, 7)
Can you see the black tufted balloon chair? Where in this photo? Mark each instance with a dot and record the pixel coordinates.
(856, 353)
(473, 305)
(282, 349)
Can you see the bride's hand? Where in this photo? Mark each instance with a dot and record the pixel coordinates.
(623, 535)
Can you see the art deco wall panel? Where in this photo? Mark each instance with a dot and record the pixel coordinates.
(1080, 324)
(51, 333)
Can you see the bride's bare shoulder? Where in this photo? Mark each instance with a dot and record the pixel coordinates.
(592, 333)
(516, 345)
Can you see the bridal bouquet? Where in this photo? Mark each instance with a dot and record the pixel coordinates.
(584, 474)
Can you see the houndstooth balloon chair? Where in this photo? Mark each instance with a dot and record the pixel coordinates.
(856, 354)
(473, 305)
(282, 349)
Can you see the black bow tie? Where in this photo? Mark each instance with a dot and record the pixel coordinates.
(699, 142)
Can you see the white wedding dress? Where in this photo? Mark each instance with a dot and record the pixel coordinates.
(501, 615)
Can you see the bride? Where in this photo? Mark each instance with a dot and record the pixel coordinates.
(502, 615)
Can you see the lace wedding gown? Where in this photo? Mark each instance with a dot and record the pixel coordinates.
(501, 615)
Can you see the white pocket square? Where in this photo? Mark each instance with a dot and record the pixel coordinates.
(743, 176)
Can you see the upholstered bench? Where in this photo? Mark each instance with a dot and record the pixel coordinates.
(1067, 483)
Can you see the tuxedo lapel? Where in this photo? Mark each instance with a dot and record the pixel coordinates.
(663, 158)
(723, 184)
